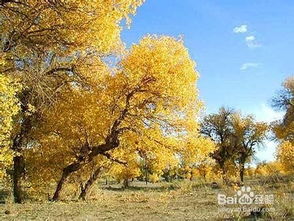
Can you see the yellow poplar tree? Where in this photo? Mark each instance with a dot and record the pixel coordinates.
(149, 97)
(197, 155)
(285, 154)
(284, 129)
(47, 45)
(284, 100)
(9, 107)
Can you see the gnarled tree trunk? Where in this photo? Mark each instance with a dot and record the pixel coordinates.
(67, 171)
(111, 142)
(85, 188)
(19, 141)
(83, 160)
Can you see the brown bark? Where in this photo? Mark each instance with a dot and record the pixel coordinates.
(2, 2)
(83, 160)
(18, 160)
(242, 174)
(241, 170)
(18, 142)
(85, 189)
(18, 170)
(126, 183)
(60, 185)
(67, 171)
(146, 176)
(111, 142)
(191, 176)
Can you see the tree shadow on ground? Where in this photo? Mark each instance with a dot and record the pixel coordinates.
(151, 187)
(139, 188)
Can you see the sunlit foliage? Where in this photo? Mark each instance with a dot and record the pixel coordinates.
(8, 109)
(285, 156)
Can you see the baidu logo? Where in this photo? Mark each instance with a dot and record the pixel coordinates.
(245, 196)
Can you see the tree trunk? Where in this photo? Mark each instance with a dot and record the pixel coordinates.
(242, 169)
(146, 176)
(60, 185)
(67, 171)
(89, 183)
(111, 142)
(18, 170)
(126, 183)
(83, 192)
(18, 142)
(191, 176)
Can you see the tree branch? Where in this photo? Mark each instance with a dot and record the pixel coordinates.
(108, 156)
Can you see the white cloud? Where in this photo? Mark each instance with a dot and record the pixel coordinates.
(266, 153)
(267, 114)
(250, 38)
(246, 66)
(251, 42)
(240, 29)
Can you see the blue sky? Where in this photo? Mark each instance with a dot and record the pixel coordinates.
(243, 48)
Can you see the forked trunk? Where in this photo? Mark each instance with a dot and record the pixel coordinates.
(111, 142)
(85, 189)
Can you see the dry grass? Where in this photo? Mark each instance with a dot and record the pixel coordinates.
(183, 200)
